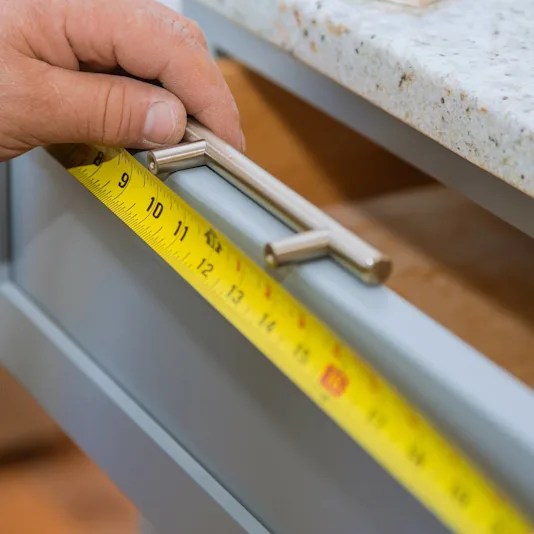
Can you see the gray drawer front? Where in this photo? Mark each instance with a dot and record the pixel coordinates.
(221, 399)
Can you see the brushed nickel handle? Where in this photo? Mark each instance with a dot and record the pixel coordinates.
(317, 234)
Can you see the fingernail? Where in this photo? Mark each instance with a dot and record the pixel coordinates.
(160, 123)
(243, 142)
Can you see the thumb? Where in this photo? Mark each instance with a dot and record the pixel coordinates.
(109, 110)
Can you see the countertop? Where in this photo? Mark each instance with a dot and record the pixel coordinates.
(459, 71)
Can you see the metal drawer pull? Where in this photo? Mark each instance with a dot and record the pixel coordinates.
(318, 234)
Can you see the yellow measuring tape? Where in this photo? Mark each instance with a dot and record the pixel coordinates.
(328, 371)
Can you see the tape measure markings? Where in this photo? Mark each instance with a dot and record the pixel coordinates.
(331, 374)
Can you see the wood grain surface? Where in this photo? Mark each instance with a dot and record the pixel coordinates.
(314, 154)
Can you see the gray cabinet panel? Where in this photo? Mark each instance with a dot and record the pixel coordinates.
(221, 399)
(4, 248)
(141, 458)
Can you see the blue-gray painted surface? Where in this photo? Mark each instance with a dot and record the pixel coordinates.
(222, 400)
(152, 469)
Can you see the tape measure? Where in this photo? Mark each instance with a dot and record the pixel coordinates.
(329, 372)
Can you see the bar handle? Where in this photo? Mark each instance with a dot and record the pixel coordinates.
(317, 234)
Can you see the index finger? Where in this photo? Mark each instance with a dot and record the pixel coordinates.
(151, 41)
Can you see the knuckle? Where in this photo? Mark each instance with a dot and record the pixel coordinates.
(196, 31)
(182, 33)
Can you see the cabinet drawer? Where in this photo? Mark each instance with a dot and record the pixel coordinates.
(214, 394)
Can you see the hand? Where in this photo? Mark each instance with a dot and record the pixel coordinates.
(57, 59)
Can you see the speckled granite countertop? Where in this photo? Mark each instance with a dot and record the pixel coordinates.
(460, 71)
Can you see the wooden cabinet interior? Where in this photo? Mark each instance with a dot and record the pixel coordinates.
(458, 263)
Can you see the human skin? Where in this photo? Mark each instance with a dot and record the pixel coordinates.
(58, 82)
